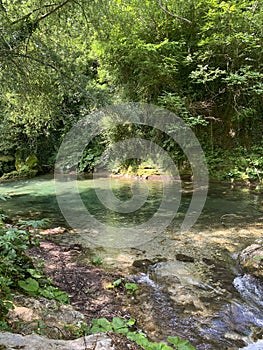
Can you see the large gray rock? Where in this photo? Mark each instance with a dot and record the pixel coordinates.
(10, 341)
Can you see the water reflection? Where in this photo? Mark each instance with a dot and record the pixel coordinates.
(207, 300)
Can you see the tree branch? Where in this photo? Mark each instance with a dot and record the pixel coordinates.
(172, 14)
(83, 10)
(36, 60)
(40, 8)
(31, 13)
(54, 10)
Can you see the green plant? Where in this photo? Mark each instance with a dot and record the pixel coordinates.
(78, 330)
(96, 260)
(115, 283)
(180, 343)
(120, 325)
(5, 306)
(131, 287)
(32, 287)
(4, 327)
(34, 224)
(17, 270)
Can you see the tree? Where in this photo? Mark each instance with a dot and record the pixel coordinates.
(47, 76)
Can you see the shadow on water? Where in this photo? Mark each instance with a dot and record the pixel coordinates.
(196, 289)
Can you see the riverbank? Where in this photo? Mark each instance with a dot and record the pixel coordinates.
(185, 279)
(98, 297)
(90, 295)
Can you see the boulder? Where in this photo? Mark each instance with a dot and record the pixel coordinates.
(10, 341)
(251, 260)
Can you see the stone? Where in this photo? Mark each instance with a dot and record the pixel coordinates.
(251, 260)
(54, 318)
(11, 341)
(21, 313)
(184, 258)
(142, 264)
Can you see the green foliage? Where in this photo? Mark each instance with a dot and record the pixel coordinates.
(17, 271)
(96, 260)
(118, 282)
(35, 224)
(78, 330)
(51, 292)
(240, 164)
(180, 343)
(131, 287)
(14, 261)
(201, 59)
(119, 325)
(30, 286)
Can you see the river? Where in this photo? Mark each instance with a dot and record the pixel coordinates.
(196, 287)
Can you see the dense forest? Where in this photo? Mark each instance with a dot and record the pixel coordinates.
(200, 59)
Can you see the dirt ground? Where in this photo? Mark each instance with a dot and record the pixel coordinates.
(85, 285)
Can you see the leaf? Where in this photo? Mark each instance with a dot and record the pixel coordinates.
(101, 325)
(51, 292)
(132, 287)
(139, 338)
(118, 323)
(34, 223)
(117, 282)
(29, 285)
(124, 330)
(131, 322)
(97, 329)
(34, 273)
(104, 323)
(180, 343)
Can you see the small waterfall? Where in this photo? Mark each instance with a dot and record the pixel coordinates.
(251, 289)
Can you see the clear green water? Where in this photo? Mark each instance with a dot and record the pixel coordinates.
(196, 300)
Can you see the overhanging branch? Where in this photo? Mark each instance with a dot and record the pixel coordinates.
(172, 14)
(40, 8)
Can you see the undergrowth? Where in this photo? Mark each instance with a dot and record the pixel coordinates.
(17, 270)
(122, 326)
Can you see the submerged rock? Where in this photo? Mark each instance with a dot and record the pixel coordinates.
(251, 260)
(10, 341)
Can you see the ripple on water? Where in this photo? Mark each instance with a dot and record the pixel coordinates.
(251, 289)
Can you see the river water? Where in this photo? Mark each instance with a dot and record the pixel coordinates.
(195, 288)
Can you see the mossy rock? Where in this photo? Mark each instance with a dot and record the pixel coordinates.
(24, 168)
(32, 162)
